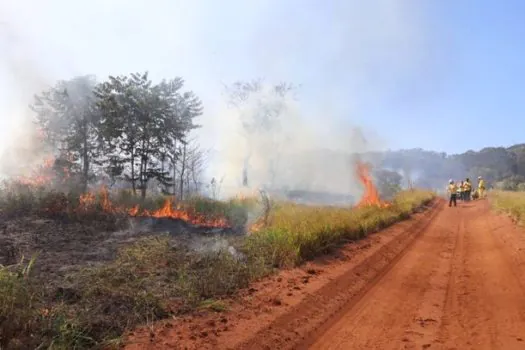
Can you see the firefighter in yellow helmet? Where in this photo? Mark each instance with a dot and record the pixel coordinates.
(467, 189)
(481, 187)
(452, 191)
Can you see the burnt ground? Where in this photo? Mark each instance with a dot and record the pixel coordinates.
(90, 282)
(65, 247)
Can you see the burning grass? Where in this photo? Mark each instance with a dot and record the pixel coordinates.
(112, 209)
(511, 203)
(156, 276)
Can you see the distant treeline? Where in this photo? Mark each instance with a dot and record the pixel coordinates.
(502, 167)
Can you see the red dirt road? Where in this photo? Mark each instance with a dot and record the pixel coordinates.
(450, 278)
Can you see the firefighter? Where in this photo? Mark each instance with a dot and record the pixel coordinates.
(460, 190)
(481, 187)
(468, 189)
(452, 190)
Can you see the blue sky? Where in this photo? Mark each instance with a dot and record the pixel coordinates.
(442, 75)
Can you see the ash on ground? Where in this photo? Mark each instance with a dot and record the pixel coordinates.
(62, 248)
(200, 239)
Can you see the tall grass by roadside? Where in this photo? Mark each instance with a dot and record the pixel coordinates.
(298, 232)
(153, 278)
(512, 203)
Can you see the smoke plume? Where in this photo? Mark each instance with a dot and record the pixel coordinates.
(20, 148)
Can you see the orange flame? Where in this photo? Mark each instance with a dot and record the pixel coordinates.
(168, 211)
(256, 226)
(41, 176)
(88, 201)
(371, 195)
(134, 211)
(44, 174)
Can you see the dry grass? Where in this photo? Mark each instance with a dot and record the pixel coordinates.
(512, 203)
(298, 232)
(17, 311)
(155, 277)
(18, 199)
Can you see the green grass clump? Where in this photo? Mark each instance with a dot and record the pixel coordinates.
(17, 310)
(298, 232)
(512, 203)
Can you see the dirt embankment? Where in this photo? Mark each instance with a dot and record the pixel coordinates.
(450, 278)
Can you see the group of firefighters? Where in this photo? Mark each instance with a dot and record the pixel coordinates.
(463, 190)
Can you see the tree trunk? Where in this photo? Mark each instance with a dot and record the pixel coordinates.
(162, 169)
(134, 188)
(85, 165)
(174, 165)
(182, 172)
(188, 185)
(143, 179)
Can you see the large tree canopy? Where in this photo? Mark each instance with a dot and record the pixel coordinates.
(127, 127)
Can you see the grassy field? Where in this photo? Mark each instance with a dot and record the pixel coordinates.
(155, 277)
(512, 203)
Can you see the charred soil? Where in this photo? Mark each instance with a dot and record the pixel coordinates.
(119, 276)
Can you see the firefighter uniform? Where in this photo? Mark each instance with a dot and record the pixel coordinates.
(452, 190)
(460, 190)
(468, 189)
(481, 187)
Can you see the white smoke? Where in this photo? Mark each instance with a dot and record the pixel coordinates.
(22, 77)
(296, 152)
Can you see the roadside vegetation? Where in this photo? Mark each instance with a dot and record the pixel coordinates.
(511, 203)
(154, 276)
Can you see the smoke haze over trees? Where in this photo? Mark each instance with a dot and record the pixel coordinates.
(125, 128)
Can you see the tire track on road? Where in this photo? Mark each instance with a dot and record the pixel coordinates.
(404, 309)
(485, 306)
(323, 308)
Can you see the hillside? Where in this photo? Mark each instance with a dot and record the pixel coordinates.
(502, 167)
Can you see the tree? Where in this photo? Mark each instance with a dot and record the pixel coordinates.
(189, 168)
(388, 182)
(196, 162)
(68, 117)
(260, 109)
(142, 123)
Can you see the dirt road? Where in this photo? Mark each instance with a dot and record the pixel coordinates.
(459, 287)
(452, 279)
